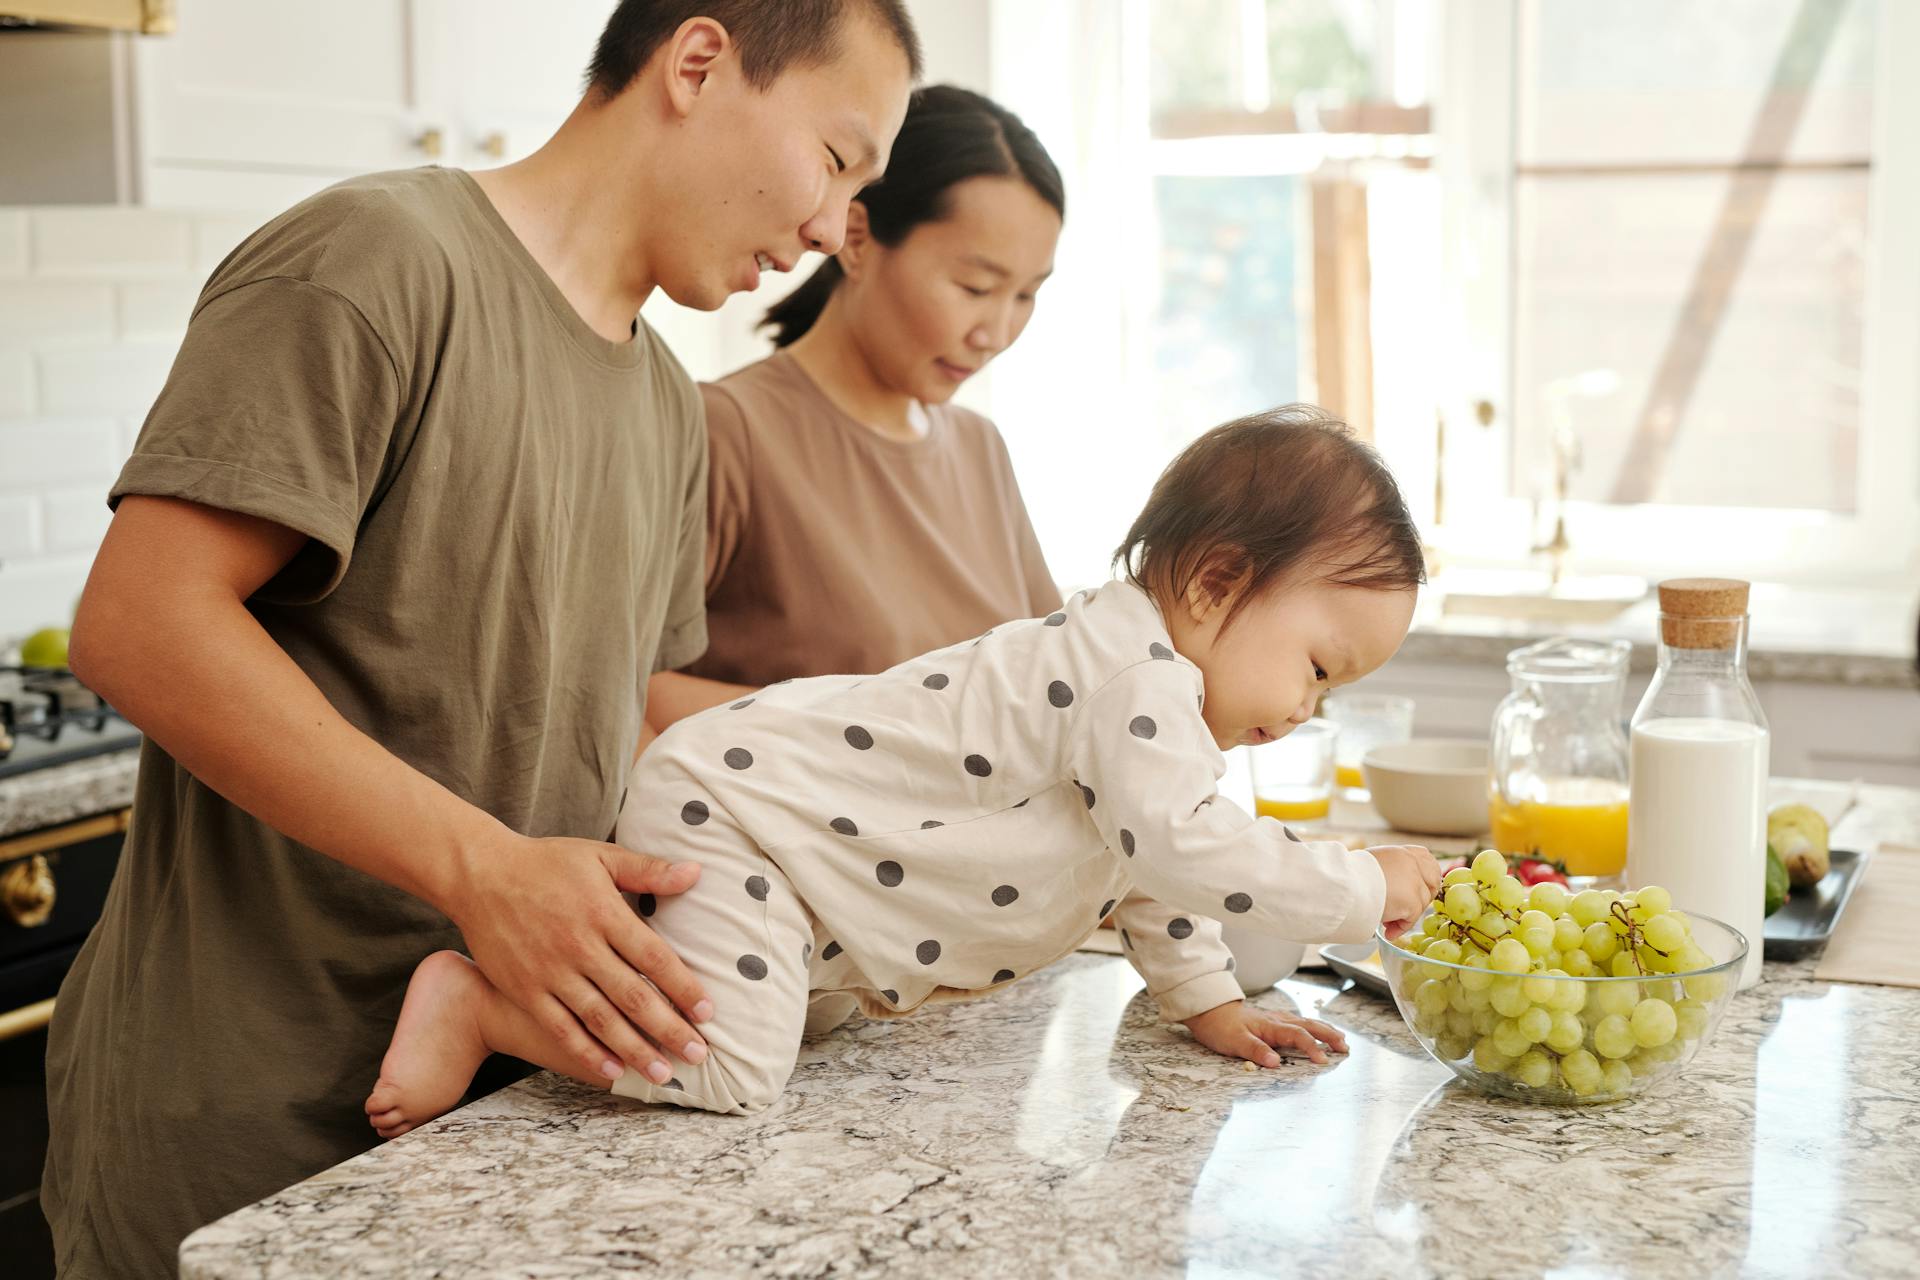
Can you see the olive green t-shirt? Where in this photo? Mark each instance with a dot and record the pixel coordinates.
(506, 524)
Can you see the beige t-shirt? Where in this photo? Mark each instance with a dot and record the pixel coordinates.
(506, 523)
(832, 549)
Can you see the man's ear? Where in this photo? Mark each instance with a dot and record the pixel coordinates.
(689, 57)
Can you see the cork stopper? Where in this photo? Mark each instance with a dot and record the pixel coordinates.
(1702, 613)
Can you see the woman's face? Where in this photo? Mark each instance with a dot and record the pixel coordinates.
(930, 312)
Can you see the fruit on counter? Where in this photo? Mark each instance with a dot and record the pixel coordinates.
(1776, 882)
(1799, 835)
(1523, 867)
(1504, 997)
(46, 647)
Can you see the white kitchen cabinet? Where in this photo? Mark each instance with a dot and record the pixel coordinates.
(253, 104)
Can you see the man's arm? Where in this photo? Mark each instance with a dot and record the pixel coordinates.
(672, 696)
(543, 918)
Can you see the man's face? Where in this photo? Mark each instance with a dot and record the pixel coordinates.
(766, 175)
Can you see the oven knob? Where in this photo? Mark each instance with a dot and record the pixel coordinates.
(26, 888)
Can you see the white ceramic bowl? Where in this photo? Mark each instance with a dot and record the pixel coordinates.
(1430, 786)
(1260, 959)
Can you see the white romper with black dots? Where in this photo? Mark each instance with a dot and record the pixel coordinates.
(955, 823)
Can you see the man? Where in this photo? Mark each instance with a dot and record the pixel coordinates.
(418, 511)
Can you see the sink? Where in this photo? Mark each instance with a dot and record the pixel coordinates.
(1532, 595)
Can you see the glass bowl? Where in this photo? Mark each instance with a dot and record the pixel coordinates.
(1447, 1020)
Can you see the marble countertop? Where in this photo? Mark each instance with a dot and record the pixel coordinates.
(67, 792)
(1820, 635)
(1060, 1129)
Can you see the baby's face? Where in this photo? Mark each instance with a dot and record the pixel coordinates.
(1288, 646)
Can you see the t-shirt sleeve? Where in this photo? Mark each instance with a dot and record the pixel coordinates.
(729, 472)
(281, 404)
(684, 637)
(1043, 595)
(1144, 750)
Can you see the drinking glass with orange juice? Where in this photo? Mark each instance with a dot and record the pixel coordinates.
(1365, 720)
(1557, 787)
(1293, 776)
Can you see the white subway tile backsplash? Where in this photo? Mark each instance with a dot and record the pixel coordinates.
(41, 592)
(19, 526)
(156, 308)
(16, 384)
(13, 242)
(35, 456)
(37, 312)
(77, 518)
(122, 379)
(110, 242)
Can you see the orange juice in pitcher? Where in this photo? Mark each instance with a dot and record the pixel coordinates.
(1558, 778)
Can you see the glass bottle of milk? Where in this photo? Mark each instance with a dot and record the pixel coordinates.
(1697, 807)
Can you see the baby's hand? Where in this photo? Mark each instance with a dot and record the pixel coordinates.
(1239, 1030)
(1413, 877)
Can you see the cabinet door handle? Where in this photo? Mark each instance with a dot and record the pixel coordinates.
(494, 144)
(430, 141)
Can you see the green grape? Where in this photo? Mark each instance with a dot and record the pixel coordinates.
(1640, 1064)
(1580, 965)
(1614, 997)
(1509, 1001)
(1509, 956)
(1637, 912)
(1476, 1000)
(1622, 965)
(1457, 997)
(1567, 936)
(1452, 1047)
(1508, 893)
(1445, 950)
(1690, 1019)
(1487, 1056)
(1534, 1024)
(1650, 960)
(1462, 903)
(1681, 919)
(1582, 1071)
(1598, 942)
(1428, 1024)
(1475, 976)
(1664, 1053)
(1492, 926)
(1459, 1023)
(1692, 958)
(1531, 919)
(1417, 945)
(1549, 897)
(1533, 1069)
(1539, 989)
(1537, 941)
(1568, 995)
(1654, 1023)
(1484, 1021)
(1566, 1033)
(1509, 1039)
(1459, 875)
(1656, 900)
(1588, 906)
(1488, 867)
(1616, 1077)
(1613, 1036)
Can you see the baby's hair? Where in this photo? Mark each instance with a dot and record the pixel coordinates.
(1263, 498)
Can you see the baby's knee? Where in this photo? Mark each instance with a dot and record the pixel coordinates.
(725, 1082)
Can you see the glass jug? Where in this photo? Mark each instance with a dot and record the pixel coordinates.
(1557, 786)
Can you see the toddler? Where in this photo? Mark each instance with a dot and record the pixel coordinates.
(948, 827)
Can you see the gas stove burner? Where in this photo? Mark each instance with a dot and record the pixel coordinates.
(48, 717)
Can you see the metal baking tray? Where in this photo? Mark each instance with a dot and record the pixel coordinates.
(1807, 919)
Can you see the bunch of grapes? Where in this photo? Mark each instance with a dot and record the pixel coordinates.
(1507, 1004)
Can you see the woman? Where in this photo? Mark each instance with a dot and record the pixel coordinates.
(855, 517)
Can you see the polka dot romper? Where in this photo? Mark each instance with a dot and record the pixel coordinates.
(954, 824)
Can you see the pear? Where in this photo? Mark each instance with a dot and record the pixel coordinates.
(1799, 835)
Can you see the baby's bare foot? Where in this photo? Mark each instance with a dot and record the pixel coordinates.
(436, 1046)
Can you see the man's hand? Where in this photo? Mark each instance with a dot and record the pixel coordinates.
(1239, 1030)
(545, 922)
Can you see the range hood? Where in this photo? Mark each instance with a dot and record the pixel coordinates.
(148, 17)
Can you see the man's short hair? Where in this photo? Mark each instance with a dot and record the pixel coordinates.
(771, 35)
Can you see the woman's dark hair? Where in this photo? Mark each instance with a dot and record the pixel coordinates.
(950, 134)
(1264, 497)
(770, 37)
